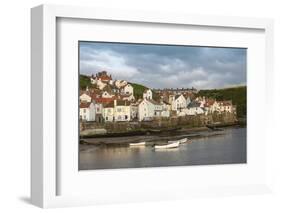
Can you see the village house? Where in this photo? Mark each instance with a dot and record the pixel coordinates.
(178, 103)
(122, 110)
(148, 109)
(147, 94)
(194, 108)
(208, 106)
(120, 83)
(225, 106)
(108, 112)
(127, 89)
(145, 110)
(99, 112)
(101, 79)
(87, 111)
(84, 97)
(188, 100)
(117, 110)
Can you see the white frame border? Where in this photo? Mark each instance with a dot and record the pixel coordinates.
(43, 88)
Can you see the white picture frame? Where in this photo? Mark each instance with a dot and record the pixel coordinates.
(45, 172)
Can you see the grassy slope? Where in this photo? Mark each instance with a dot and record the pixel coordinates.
(138, 90)
(84, 82)
(238, 95)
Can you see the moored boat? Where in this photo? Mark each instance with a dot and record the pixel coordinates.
(183, 140)
(168, 146)
(138, 144)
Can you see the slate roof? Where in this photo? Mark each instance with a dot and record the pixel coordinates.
(193, 104)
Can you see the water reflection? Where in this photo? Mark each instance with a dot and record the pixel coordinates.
(220, 149)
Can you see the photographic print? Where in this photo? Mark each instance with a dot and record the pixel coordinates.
(151, 105)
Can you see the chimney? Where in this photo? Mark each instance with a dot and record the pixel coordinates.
(115, 103)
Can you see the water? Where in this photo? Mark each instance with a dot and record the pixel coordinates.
(229, 147)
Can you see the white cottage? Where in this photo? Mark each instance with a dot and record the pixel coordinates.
(117, 110)
(128, 89)
(147, 94)
(178, 103)
(108, 112)
(87, 111)
(122, 110)
(85, 98)
(145, 110)
(194, 108)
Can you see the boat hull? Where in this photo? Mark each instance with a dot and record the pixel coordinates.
(138, 144)
(168, 146)
(184, 140)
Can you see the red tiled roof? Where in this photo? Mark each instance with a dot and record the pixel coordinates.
(225, 103)
(209, 102)
(84, 104)
(104, 100)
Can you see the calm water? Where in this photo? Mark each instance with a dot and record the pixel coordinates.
(229, 147)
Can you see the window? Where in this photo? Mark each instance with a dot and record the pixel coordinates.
(84, 110)
(126, 117)
(118, 109)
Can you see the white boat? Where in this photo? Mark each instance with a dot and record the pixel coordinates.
(138, 144)
(184, 140)
(168, 146)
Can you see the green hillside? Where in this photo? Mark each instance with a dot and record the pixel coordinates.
(84, 81)
(238, 95)
(138, 90)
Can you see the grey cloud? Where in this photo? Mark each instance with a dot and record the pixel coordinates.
(161, 66)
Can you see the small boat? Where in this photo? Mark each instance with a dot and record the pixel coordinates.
(168, 146)
(138, 144)
(184, 140)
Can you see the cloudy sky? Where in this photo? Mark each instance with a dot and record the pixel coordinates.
(164, 66)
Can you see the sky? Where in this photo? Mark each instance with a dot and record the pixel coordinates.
(166, 66)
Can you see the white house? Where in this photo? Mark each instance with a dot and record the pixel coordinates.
(117, 110)
(85, 98)
(147, 94)
(99, 112)
(120, 83)
(128, 89)
(222, 106)
(145, 110)
(122, 110)
(225, 106)
(178, 103)
(194, 108)
(188, 101)
(87, 111)
(166, 109)
(108, 112)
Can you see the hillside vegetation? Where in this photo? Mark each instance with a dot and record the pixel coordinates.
(238, 95)
(84, 81)
(138, 90)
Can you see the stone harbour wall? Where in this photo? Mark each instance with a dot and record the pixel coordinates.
(159, 123)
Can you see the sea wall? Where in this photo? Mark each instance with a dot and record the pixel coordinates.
(158, 123)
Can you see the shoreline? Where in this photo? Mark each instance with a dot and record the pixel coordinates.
(156, 138)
